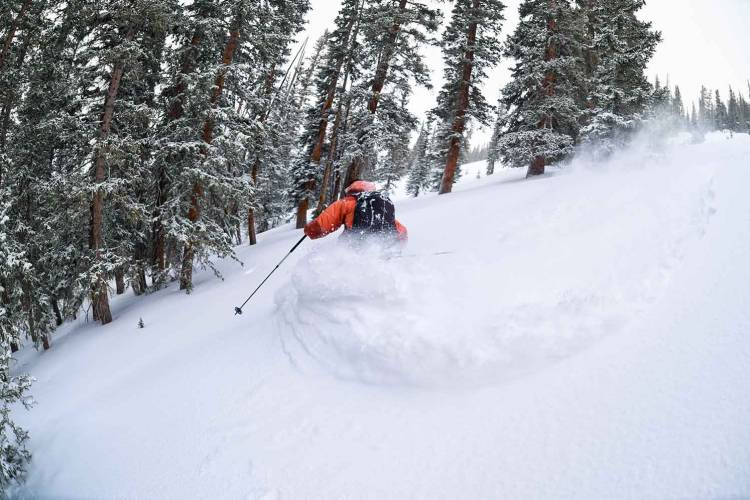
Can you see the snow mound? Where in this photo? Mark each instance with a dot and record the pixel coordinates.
(389, 322)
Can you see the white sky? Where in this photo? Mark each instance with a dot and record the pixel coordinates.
(704, 42)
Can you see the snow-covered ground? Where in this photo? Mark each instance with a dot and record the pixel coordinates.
(587, 336)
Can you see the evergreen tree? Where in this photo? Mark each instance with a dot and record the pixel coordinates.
(744, 114)
(340, 47)
(470, 47)
(392, 36)
(706, 120)
(678, 107)
(424, 160)
(619, 48)
(14, 456)
(497, 131)
(693, 118)
(543, 93)
(720, 113)
(733, 112)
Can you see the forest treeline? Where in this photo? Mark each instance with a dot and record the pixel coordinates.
(142, 138)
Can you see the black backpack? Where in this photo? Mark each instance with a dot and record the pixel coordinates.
(374, 214)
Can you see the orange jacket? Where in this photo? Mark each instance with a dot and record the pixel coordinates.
(342, 213)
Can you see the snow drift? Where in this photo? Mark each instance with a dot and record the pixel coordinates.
(586, 338)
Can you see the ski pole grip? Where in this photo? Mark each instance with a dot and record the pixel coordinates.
(298, 244)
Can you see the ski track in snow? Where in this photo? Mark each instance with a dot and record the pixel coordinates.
(586, 338)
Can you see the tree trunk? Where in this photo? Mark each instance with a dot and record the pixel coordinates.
(12, 32)
(337, 185)
(158, 261)
(120, 281)
(140, 257)
(56, 310)
(459, 122)
(536, 167)
(252, 234)
(141, 284)
(186, 274)
(101, 298)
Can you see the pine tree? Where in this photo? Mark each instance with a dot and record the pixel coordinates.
(261, 96)
(706, 111)
(693, 117)
(392, 35)
(720, 112)
(678, 107)
(733, 112)
(744, 114)
(619, 48)
(14, 456)
(497, 132)
(340, 44)
(470, 47)
(424, 160)
(542, 95)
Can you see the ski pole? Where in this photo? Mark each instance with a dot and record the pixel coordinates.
(238, 310)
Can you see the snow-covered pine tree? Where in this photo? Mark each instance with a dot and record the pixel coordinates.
(273, 195)
(392, 36)
(720, 112)
(138, 114)
(122, 32)
(618, 48)
(208, 224)
(744, 114)
(260, 94)
(471, 46)
(48, 188)
(693, 118)
(391, 166)
(339, 46)
(678, 107)
(706, 120)
(543, 94)
(497, 131)
(661, 98)
(14, 456)
(199, 34)
(733, 112)
(424, 160)
(211, 139)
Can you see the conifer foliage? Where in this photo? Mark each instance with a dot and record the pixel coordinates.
(542, 124)
(618, 47)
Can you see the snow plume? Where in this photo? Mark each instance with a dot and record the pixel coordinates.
(501, 306)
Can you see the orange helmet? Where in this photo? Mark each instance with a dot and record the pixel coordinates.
(360, 186)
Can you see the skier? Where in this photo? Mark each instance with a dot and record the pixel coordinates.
(364, 212)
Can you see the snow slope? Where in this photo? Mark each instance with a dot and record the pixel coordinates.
(587, 337)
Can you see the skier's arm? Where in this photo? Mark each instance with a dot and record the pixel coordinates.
(403, 234)
(327, 222)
